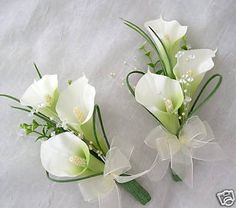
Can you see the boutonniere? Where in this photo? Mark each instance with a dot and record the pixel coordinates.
(74, 145)
(167, 89)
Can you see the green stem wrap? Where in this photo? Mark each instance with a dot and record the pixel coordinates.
(137, 191)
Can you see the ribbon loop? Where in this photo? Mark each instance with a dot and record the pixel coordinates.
(195, 141)
(103, 188)
(116, 162)
(93, 187)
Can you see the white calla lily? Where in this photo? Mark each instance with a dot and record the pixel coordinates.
(42, 95)
(76, 103)
(195, 141)
(162, 96)
(191, 67)
(66, 155)
(167, 36)
(168, 31)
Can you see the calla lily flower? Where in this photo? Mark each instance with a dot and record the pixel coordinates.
(191, 67)
(162, 96)
(75, 108)
(42, 95)
(66, 155)
(170, 34)
(195, 141)
(76, 103)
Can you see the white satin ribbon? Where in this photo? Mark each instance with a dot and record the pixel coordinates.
(104, 188)
(195, 142)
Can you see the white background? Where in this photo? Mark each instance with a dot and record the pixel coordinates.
(74, 37)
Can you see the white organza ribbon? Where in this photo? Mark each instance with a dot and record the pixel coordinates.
(104, 188)
(195, 142)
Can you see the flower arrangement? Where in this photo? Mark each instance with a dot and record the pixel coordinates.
(74, 146)
(168, 92)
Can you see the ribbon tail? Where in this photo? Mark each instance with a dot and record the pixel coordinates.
(127, 178)
(159, 171)
(182, 165)
(210, 151)
(111, 199)
(91, 188)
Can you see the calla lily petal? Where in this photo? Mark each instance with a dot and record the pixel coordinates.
(42, 95)
(76, 103)
(168, 31)
(66, 155)
(162, 96)
(170, 35)
(191, 67)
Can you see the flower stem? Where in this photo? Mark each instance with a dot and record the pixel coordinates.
(137, 191)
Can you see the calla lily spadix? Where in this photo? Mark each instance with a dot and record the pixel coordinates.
(171, 33)
(191, 67)
(66, 155)
(42, 95)
(195, 141)
(162, 96)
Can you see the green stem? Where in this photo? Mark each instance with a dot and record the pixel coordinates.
(137, 191)
(36, 132)
(175, 177)
(71, 179)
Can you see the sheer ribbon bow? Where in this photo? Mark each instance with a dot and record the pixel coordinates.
(195, 141)
(104, 188)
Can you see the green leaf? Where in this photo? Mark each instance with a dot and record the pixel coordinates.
(97, 113)
(59, 130)
(159, 71)
(184, 47)
(50, 125)
(128, 82)
(163, 56)
(27, 128)
(23, 125)
(137, 191)
(35, 125)
(147, 38)
(28, 131)
(70, 179)
(10, 97)
(38, 72)
(148, 53)
(194, 108)
(142, 47)
(152, 65)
